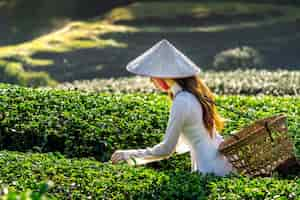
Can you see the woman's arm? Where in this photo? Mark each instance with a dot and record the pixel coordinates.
(165, 148)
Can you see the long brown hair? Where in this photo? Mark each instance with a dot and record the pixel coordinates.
(196, 86)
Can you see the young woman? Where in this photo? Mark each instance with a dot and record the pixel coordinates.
(193, 123)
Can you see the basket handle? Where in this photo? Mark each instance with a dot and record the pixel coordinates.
(234, 136)
(266, 125)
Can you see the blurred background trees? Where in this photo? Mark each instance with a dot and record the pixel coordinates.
(45, 42)
(18, 18)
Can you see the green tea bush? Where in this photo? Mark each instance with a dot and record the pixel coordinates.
(88, 179)
(28, 194)
(82, 124)
(78, 123)
(248, 82)
(241, 57)
(254, 188)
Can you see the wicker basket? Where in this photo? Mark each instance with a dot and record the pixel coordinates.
(258, 149)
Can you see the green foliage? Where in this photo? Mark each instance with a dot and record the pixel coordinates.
(80, 124)
(88, 179)
(40, 194)
(254, 188)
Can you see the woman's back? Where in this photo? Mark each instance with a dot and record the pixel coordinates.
(205, 156)
(170, 69)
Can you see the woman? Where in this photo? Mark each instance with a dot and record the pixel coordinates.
(193, 122)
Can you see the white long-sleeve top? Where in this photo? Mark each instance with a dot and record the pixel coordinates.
(185, 133)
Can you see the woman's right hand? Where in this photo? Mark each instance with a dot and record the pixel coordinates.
(118, 156)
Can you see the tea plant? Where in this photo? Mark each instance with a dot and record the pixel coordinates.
(80, 124)
(88, 179)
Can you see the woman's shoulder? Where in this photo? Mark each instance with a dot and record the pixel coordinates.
(186, 102)
(182, 95)
(181, 98)
(185, 96)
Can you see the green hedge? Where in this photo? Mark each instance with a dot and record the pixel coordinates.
(248, 82)
(88, 179)
(28, 194)
(81, 124)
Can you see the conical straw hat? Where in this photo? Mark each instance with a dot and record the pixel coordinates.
(163, 60)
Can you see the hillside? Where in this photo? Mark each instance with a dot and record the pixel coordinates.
(101, 47)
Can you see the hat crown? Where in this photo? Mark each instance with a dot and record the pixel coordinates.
(163, 60)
